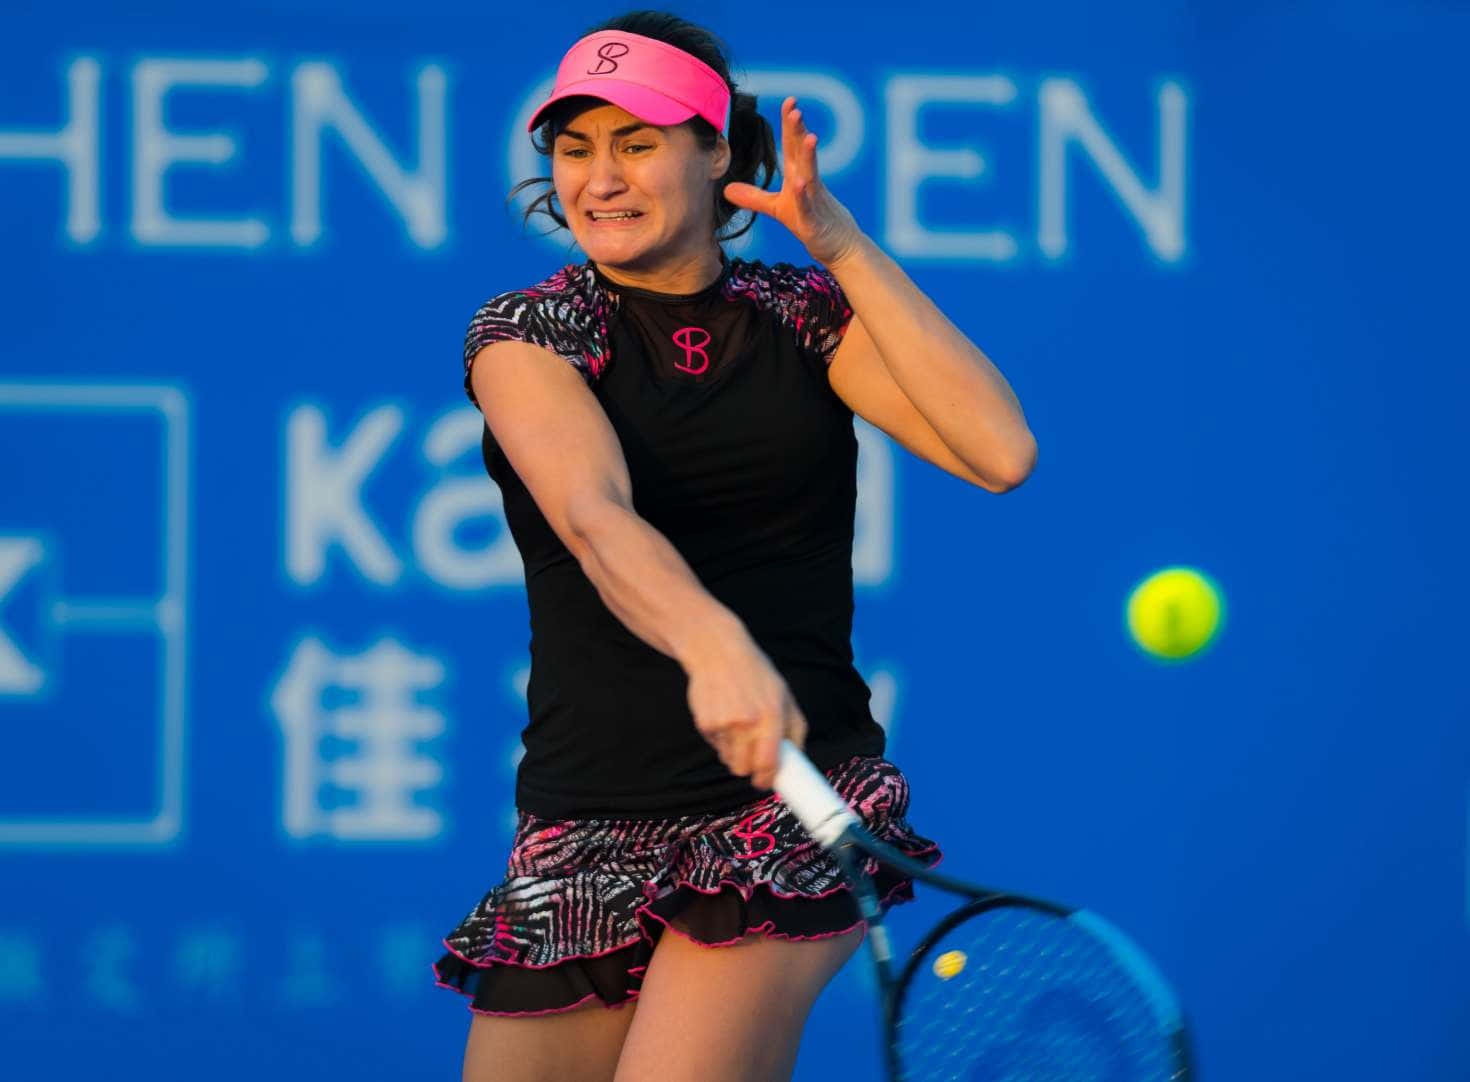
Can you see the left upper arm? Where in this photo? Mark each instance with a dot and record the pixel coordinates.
(861, 379)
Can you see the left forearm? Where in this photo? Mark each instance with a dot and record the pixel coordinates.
(945, 375)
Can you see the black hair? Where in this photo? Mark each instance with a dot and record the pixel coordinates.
(752, 142)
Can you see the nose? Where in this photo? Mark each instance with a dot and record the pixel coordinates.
(605, 176)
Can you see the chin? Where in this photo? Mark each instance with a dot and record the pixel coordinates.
(614, 251)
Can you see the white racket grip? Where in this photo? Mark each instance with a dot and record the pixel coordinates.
(807, 793)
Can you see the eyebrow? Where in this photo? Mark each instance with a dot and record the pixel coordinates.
(624, 130)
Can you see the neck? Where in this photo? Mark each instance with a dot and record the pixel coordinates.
(688, 274)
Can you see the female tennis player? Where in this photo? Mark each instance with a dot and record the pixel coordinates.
(671, 430)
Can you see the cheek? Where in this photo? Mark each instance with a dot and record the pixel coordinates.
(678, 192)
(567, 188)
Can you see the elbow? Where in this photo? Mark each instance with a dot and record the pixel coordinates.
(581, 531)
(588, 516)
(1021, 466)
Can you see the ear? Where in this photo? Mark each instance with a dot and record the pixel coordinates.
(720, 163)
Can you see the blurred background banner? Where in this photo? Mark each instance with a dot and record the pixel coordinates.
(263, 635)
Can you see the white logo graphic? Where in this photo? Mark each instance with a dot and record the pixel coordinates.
(156, 612)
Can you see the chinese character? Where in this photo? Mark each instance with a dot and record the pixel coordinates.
(306, 984)
(106, 956)
(20, 969)
(208, 962)
(402, 949)
(375, 728)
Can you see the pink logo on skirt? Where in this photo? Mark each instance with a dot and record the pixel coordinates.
(748, 830)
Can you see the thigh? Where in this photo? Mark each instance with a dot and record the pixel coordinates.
(568, 1046)
(728, 1014)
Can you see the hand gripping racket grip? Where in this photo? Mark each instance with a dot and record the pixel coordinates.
(807, 793)
(830, 821)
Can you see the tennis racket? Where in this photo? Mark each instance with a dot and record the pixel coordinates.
(1006, 988)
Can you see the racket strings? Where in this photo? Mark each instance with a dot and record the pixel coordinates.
(1016, 995)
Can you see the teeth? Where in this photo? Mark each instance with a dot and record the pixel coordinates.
(623, 214)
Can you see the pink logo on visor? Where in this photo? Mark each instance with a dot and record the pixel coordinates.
(607, 58)
(655, 81)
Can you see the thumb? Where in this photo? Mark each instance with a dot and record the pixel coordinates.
(767, 757)
(749, 197)
(796, 729)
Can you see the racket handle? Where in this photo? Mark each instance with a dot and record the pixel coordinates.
(807, 793)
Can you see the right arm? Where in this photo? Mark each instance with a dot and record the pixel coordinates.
(563, 448)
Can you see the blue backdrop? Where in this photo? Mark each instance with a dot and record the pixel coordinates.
(263, 634)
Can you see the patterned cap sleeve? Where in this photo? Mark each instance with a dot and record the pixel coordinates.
(549, 318)
(806, 299)
(827, 312)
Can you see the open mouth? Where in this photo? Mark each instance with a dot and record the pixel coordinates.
(615, 219)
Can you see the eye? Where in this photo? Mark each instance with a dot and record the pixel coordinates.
(640, 146)
(572, 152)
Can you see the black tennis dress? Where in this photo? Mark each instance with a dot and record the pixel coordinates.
(742, 455)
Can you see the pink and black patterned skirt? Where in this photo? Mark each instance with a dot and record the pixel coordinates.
(585, 900)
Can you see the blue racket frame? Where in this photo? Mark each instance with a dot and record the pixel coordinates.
(854, 843)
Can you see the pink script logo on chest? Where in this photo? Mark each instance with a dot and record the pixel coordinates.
(685, 338)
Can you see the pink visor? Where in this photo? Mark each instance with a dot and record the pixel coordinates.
(653, 80)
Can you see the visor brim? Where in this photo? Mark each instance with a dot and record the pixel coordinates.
(647, 105)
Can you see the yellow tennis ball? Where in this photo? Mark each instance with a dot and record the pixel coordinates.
(949, 964)
(1176, 612)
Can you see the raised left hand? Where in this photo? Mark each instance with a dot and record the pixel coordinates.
(803, 205)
